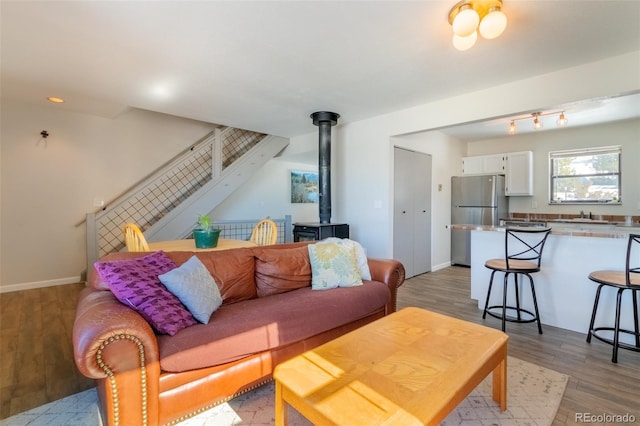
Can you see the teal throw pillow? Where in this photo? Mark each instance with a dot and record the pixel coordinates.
(192, 283)
(333, 265)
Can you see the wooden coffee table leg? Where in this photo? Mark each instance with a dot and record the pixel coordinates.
(500, 384)
(281, 412)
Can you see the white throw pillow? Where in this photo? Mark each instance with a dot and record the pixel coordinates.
(361, 256)
(333, 265)
(192, 283)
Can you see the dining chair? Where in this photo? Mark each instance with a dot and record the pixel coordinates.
(134, 239)
(264, 233)
(629, 279)
(523, 256)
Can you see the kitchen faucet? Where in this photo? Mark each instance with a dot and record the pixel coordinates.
(584, 216)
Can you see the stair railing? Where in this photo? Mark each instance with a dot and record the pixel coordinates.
(165, 188)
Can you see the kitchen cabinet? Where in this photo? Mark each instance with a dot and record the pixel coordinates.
(483, 164)
(516, 166)
(519, 173)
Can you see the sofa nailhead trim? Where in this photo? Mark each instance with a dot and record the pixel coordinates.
(112, 379)
(222, 401)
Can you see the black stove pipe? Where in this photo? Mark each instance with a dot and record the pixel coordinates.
(324, 120)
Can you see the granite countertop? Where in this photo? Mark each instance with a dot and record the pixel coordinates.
(611, 220)
(582, 221)
(618, 232)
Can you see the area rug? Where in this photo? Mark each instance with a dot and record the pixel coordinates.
(534, 395)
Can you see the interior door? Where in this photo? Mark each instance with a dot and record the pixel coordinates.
(402, 209)
(412, 211)
(422, 216)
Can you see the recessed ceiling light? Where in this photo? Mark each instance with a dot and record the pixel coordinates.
(55, 100)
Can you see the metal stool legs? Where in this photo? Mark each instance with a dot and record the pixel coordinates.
(615, 341)
(533, 316)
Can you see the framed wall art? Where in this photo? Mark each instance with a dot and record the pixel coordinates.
(304, 186)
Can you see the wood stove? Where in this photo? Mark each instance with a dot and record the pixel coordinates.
(319, 231)
(323, 229)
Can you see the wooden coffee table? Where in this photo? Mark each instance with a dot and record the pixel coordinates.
(410, 367)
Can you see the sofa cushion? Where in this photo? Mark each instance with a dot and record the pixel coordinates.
(233, 270)
(333, 265)
(281, 270)
(252, 326)
(135, 283)
(192, 283)
(361, 256)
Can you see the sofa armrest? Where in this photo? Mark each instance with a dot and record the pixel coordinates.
(113, 344)
(388, 271)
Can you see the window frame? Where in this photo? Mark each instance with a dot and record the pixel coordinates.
(585, 152)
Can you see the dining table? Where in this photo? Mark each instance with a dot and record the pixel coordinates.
(190, 245)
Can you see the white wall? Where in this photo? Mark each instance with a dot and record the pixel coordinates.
(49, 185)
(625, 133)
(268, 193)
(47, 189)
(367, 161)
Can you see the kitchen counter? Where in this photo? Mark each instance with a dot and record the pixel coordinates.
(554, 218)
(565, 294)
(611, 231)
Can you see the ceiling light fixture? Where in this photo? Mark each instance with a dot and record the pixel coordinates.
(469, 17)
(55, 100)
(537, 123)
(562, 120)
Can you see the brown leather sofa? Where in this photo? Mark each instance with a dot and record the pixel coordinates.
(144, 378)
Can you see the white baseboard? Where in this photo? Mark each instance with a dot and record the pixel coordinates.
(440, 266)
(39, 284)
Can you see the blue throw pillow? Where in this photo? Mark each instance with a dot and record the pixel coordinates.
(192, 283)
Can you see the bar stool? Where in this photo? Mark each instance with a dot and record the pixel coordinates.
(523, 255)
(629, 279)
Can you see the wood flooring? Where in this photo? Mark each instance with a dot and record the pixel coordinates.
(596, 385)
(36, 357)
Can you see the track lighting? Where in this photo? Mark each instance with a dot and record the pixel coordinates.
(469, 17)
(537, 122)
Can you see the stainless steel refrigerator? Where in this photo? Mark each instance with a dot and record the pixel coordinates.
(475, 200)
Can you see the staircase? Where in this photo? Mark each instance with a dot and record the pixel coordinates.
(166, 204)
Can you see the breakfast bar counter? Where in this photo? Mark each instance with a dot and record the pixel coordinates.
(564, 292)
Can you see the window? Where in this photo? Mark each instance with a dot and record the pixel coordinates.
(585, 176)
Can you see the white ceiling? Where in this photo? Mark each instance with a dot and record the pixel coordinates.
(583, 113)
(267, 65)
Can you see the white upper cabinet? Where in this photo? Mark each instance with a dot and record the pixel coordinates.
(516, 166)
(519, 173)
(484, 164)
